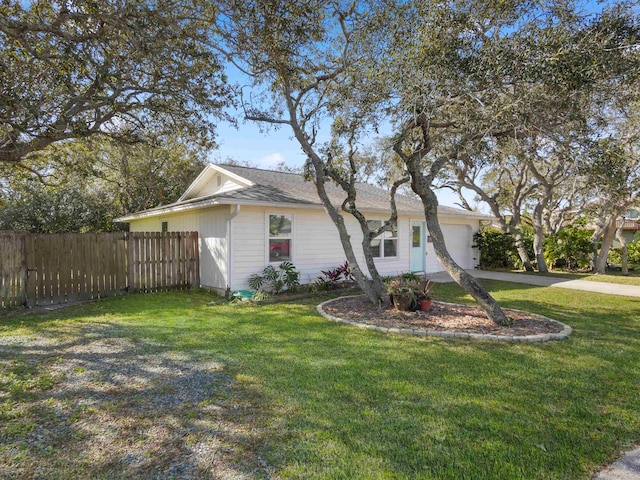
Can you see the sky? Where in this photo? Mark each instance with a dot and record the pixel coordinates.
(267, 149)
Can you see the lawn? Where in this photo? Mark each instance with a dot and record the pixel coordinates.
(280, 392)
(633, 278)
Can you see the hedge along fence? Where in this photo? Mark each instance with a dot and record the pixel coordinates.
(46, 269)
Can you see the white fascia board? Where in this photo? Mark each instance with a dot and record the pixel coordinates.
(231, 201)
(191, 187)
(470, 217)
(208, 169)
(235, 176)
(172, 209)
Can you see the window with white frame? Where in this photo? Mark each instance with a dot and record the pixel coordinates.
(280, 238)
(386, 244)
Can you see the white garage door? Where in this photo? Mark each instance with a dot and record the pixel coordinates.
(458, 239)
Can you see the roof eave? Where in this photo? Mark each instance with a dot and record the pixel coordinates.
(218, 169)
(230, 201)
(166, 210)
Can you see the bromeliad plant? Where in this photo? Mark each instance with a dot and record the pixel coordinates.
(425, 290)
(276, 280)
(406, 291)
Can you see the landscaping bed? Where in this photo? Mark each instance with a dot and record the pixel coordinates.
(442, 317)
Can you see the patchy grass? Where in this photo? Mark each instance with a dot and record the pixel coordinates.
(299, 397)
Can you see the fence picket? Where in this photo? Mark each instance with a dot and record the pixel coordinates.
(39, 269)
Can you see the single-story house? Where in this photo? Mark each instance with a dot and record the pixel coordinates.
(248, 218)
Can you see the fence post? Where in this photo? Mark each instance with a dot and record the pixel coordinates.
(196, 259)
(24, 271)
(130, 261)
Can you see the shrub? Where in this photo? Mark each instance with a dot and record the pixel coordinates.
(498, 249)
(569, 248)
(324, 285)
(633, 254)
(330, 279)
(345, 271)
(275, 280)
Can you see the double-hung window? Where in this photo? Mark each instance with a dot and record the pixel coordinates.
(386, 244)
(280, 237)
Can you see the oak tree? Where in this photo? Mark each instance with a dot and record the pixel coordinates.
(76, 68)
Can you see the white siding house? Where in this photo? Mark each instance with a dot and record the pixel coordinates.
(249, 218)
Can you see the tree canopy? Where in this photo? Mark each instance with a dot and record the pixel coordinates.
(76, 68)
(82, 185)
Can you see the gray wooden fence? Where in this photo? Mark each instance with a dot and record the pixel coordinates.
(38, 269)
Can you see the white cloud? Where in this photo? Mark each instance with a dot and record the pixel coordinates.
(271, 160)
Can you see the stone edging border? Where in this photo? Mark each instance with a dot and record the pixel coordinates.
(566, 329)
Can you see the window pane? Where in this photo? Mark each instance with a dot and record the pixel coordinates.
(417, 241)
(279, 250)
(390, 248)
(374, 224)
(375, 248)
(279, 225)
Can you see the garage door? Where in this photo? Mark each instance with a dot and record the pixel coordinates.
(458, 239)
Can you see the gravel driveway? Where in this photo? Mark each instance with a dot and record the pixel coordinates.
(87, 402)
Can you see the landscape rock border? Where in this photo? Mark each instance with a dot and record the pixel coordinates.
(566, 329)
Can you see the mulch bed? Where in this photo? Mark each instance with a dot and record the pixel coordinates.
(441, 317)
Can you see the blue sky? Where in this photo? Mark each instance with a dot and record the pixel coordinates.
(268, 149)
(275, 145)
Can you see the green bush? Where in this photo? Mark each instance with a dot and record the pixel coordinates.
(570, 248)
(498, 249)
(633, 252)
(275, 280)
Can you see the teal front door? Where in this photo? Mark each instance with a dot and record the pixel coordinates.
(418, 246)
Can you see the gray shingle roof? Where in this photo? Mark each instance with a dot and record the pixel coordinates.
(369, 197)
(289, 188)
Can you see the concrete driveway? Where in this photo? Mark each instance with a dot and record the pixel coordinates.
(547, 281)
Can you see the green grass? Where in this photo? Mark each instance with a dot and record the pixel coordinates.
(633, 278)
(333, 401)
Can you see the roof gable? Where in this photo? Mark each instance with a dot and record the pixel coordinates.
(214, 180)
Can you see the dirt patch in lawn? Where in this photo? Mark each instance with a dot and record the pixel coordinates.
(442, 317)
(92, 403)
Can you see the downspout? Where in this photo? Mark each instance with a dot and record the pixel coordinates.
(233, 214)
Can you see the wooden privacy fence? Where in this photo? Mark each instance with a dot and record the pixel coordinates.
(40, 269)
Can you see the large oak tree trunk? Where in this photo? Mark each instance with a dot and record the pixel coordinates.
(625, 252)
(522, 250)
(373, 288)
(607, 241)
(593, 256)
(538, 239)
(462, 278)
